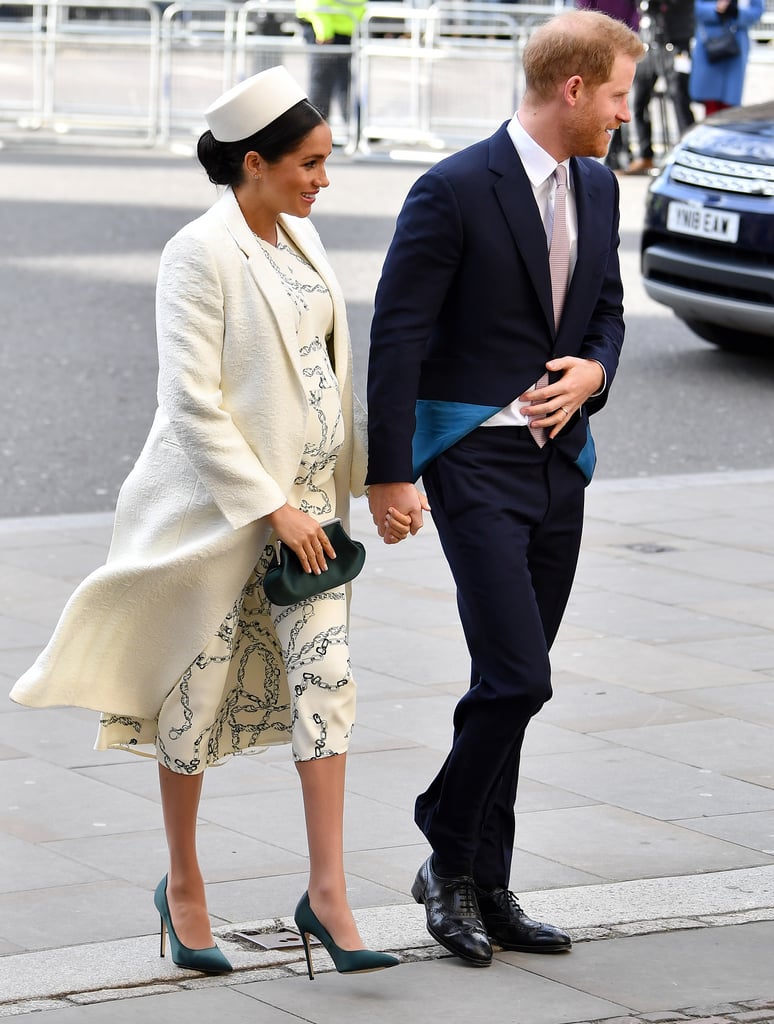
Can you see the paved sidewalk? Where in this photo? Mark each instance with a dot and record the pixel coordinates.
(646, 814)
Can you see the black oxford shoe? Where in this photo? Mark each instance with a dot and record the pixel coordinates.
(453, 917)
(509, 927)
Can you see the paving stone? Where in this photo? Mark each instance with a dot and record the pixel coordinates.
(752, 1016)
(718, 1009)
(590, 934)
(31, 1006)
(671, 924)
(616, 1020)
(107, 995)
(759, 914)
(710, 1020)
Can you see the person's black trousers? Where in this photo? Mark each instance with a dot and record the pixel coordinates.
(330, 73)
(648, 70)
(509, 517)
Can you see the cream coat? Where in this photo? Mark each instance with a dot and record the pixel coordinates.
(222, 453)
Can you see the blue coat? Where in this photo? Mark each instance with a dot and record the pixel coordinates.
(723, 81)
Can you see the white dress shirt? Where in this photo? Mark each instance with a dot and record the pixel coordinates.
(540, 167)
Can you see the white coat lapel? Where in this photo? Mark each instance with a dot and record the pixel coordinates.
(268, 282)
(305, 238)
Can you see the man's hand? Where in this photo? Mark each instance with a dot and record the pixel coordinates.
(552, 406)
(396, 510)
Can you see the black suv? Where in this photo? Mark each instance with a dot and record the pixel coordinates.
(708, 240)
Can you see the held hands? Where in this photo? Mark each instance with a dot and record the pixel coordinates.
(396, 510)
(304, 536)
(552, 406)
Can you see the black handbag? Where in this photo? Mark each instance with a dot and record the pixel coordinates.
(286, 582)
(723, 46)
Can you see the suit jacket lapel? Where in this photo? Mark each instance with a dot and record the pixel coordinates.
(514, 194)
(517, 201)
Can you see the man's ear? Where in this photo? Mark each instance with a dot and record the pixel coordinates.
(573, 88)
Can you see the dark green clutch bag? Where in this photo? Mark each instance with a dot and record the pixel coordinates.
(286, 582)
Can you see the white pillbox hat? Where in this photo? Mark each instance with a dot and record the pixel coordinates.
(253, 104)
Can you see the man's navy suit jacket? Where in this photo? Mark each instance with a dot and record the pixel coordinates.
(463, 319)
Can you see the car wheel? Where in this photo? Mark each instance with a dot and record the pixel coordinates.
(729, 339)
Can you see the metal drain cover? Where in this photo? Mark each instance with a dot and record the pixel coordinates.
(285, 938)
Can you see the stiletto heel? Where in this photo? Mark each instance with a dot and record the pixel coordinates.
(346, 961)
(307, 951)
(209, 961)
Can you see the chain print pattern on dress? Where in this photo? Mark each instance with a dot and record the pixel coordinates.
(236, 719)
(243, 716)
(169, 735)
(319, 458)
(226, 633)
(319, 648)
(319, 744)
(317, 500)
(128, 723)
(294, 289)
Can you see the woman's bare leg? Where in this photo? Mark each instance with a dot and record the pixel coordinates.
(185, 886)
(322, 784)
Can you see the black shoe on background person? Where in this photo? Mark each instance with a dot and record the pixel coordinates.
(509, 927)
(453, 916)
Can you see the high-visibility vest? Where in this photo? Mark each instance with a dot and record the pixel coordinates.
(331, 18)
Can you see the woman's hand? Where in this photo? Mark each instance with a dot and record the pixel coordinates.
(397, 526)
(304, 536)
(393, 506)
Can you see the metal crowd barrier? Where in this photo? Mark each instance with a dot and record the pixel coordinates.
(142, 71)
(451, 76)
(198, 62)
(22, 39)
(86, 67)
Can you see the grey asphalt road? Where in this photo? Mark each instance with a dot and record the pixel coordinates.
(81, 232)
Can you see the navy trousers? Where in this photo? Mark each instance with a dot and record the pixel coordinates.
(509, 517)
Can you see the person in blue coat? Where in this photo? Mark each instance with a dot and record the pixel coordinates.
(721, 84)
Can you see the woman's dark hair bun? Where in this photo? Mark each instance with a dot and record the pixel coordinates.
(214, 158)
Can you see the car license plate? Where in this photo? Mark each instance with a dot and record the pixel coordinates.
(699, 220)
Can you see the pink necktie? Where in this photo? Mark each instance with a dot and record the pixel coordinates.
(559, 250)
(559, 267)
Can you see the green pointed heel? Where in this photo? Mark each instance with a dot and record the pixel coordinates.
(208, 961)
(346, 961)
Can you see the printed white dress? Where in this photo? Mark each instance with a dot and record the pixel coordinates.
(209, 712)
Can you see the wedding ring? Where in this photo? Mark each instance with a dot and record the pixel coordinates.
(565, 411)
